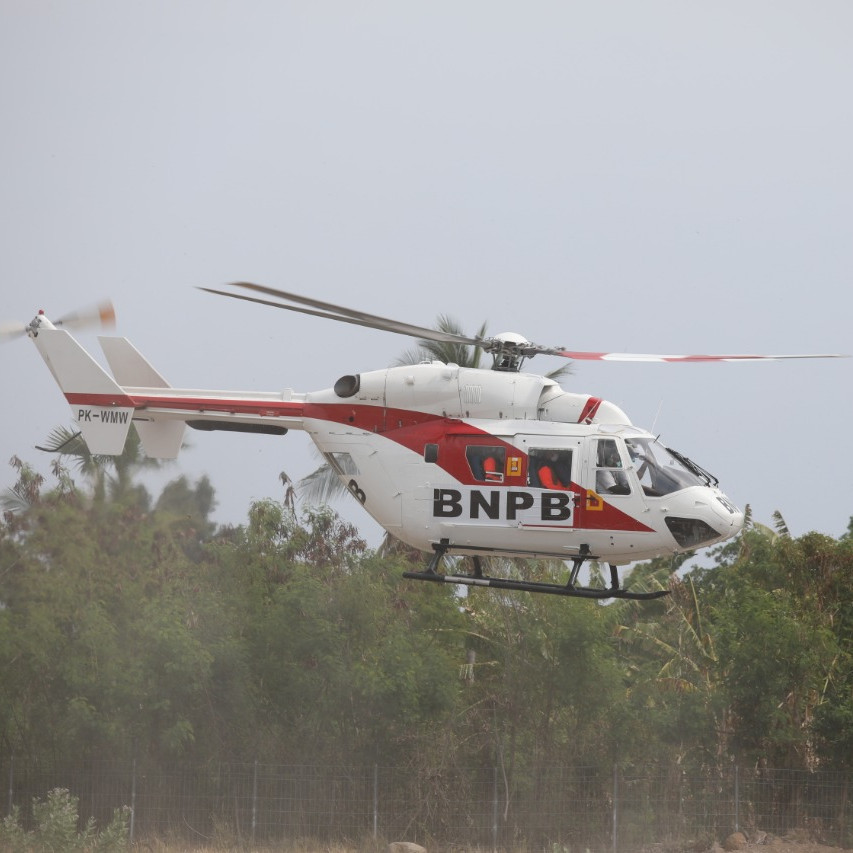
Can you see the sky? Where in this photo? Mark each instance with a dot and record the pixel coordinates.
(670, 177)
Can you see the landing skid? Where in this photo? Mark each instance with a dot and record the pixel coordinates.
(570, 589)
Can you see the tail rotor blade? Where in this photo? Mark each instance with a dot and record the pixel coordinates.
(102, 315)
(9, 331)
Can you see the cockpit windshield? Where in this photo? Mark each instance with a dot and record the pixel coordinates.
(662, 471)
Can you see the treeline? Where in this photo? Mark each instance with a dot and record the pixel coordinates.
(133, 627)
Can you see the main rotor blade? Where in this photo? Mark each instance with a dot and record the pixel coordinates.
(649, 357)
(343, 315)
(330, 311)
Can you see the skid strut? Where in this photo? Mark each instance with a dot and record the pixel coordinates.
(477, 578)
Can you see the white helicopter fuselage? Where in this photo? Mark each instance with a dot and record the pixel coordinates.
(440, 455)
(410, 446)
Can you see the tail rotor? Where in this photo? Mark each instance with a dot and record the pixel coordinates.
(102, 315)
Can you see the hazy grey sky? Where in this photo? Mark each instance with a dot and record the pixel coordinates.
(655, 176)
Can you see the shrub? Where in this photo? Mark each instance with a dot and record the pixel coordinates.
(56, 828)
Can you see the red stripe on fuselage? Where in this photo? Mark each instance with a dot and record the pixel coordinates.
(214, 405)
(411, 429)
(590, 408)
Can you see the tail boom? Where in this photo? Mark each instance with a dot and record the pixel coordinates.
(159, 416)
(104, 410)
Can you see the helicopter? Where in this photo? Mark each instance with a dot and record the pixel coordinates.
(451, 460)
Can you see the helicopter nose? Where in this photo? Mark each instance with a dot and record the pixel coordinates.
(732, 514)
(729, 519)
(705, 518)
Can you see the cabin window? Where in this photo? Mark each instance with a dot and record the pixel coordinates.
(610, 477)
(549, 468)
(342, 463)
(430, 453)
(487, 463)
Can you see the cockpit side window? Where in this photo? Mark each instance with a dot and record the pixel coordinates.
(659, 471)
(610, 476)
(549, 468)
(487, 464)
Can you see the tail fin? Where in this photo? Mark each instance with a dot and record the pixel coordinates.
(100, 407)
(161, 439)
(128, 364)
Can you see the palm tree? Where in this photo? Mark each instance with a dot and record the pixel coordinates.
(680, 645)
(69, 443)
(449, 353)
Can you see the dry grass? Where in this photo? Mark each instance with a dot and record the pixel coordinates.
(221, 844)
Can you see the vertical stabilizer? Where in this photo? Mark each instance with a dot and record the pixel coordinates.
(161, 439)
(100, 407)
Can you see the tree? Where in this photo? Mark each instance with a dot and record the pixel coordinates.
(348, 657)
(26, 491)
(110, 633)
(774, 607)
(69, 444)
(673, 666)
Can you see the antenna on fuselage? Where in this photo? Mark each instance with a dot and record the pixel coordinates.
(657, 415)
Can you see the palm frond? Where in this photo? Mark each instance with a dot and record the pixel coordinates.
(558, 373)
(780, 524)
(324, 484)
(321, 486)
(449, 353)
(27, 490)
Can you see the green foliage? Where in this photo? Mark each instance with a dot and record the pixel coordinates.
(107, 629)
(135, 628)
(26, 491)
(56, 828)
(347, 661)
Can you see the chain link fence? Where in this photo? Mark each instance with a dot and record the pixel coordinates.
(604, 810)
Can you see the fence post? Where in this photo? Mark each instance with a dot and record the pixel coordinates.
(375, 801)
(132, 800)
(254, 800)
(495, 810)
(11, 782)
(737, 799)
(615, 808)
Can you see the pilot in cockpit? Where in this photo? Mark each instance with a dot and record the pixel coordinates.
(610, 479)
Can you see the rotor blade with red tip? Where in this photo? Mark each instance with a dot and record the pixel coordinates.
(650, 357)
(330, 311)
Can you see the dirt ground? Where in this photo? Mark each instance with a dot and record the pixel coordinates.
(761, 843)
(757, 843)
(782, 845)
(808, 847)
